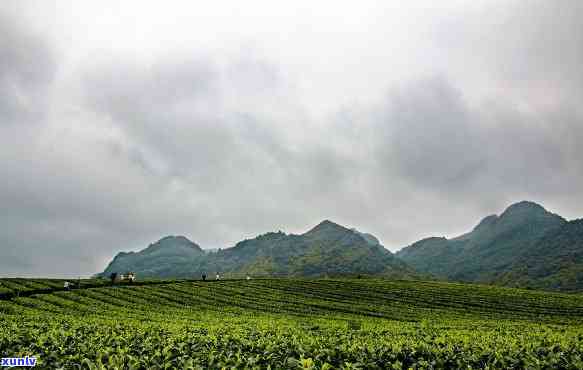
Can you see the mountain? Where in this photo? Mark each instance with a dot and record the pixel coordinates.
(171, 253)
(554, 262)
(328, 249)
(496, 246)
(524, 246)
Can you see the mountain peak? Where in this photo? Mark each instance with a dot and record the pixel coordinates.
(527, 210)
(174, 238)
(525, 205)
(172, 241)
(327, 225)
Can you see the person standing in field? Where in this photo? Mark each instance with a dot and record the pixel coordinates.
(203, 277)
(113, 276)
(218, 276)
(66, 285)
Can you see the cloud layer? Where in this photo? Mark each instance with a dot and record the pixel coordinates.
(109, 141)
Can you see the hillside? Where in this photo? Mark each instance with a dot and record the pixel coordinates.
(294, 324)
(496, 246)
(169, 256)
(554, 262)
(524, 246)
(328, 249)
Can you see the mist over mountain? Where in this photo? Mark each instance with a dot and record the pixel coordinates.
(120, 127)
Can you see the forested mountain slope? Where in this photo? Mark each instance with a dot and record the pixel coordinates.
(501, 249)
(328, 249)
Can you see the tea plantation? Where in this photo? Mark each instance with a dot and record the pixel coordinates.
(289, 324)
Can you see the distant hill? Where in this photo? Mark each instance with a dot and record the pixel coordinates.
(169, 256)
(523, 246)
(328, 249)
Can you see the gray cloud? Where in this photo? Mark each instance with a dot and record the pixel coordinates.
(108, 153)
(27, 66)
(431, 137)
(434, 140)
(233, 155)
(524, 53)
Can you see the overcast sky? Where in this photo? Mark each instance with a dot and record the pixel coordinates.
(123, 123)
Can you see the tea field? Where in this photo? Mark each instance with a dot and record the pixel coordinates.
(289, 324)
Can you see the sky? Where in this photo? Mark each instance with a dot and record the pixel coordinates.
(123, 122)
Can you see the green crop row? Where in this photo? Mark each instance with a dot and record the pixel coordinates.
(293, 324)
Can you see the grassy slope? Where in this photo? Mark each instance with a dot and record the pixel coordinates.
(284, 322)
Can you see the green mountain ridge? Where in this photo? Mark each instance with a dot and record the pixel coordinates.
(328, 249)
(526, 246)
